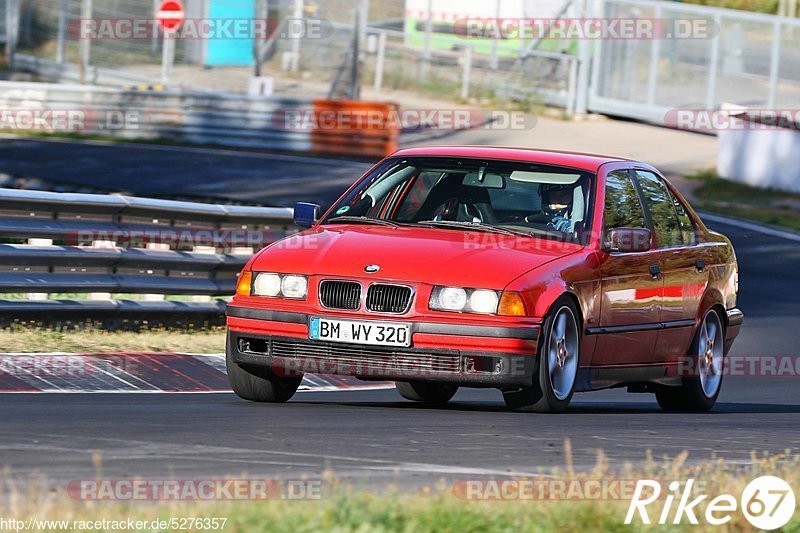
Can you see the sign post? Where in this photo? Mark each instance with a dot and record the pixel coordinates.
(170, 16)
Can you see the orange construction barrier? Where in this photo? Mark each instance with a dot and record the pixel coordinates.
(348, 127)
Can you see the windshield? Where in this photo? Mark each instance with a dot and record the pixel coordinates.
(470, 194)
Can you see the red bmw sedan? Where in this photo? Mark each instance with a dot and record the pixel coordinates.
(537, 273)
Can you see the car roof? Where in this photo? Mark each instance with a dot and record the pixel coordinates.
(587, 162)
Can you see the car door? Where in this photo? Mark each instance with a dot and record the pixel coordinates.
(630, 291)
(684, 265)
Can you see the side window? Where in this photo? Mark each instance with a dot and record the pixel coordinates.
(623, 208)
(688, 228)
(659, 201)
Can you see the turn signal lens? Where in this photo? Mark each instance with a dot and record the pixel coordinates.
(244, 283)
(512, 304)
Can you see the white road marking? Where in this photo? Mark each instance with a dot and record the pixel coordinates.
(91, 365)
(216, 361)
(765, 230)
(212, 453)
(114, 391)
(446, 469)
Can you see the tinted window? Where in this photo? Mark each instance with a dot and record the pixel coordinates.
(662, 209)
(623, 208)
(687, 224)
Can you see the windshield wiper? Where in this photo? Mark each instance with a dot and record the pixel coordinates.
(362, 220)
(478, 226)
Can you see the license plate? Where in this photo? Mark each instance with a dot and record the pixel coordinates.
(360, 332)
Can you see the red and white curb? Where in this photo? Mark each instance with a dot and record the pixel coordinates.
(139, 372)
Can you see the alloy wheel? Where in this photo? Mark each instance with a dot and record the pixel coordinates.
(562, 352)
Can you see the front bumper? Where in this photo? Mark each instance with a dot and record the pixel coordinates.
(469, 355)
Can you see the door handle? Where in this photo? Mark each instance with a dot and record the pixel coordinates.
(655, 271)
(700, 265)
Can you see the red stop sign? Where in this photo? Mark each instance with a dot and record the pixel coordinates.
(170, 15)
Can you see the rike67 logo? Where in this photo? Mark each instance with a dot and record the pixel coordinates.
(767, 502)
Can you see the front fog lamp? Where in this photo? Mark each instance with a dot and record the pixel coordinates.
(294, 287)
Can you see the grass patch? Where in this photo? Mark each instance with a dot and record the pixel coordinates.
(762, 6)
(90, 339)
(717, 195)
(439, 508)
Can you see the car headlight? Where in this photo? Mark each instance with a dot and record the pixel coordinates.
(449, 299)
(267, 285)
(280, 286)
(481, 301)
(457, 299)
(294, 286)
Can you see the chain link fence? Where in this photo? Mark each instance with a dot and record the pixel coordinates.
(752, 60)
(318, 64)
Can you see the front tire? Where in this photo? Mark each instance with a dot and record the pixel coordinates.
(557, 364)
(429, 393)
(700, 391)
(258, 384)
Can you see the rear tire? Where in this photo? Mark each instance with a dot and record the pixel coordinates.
(258, 384)
(429, 393)
(557, 363)
(700, 391)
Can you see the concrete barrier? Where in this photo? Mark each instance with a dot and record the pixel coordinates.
(765, 157)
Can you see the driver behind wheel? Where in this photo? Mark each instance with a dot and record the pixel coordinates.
(556, 211)
(557, 205)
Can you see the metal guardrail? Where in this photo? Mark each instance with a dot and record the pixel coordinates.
(224, 119)
(103, 246)
(70, 72)
(194, 117)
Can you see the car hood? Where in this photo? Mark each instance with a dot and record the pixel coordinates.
(428, 255)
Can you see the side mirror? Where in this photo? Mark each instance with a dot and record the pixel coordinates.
(627, 240)
(306, 215)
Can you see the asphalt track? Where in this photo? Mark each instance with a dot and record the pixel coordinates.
(375, 438)
(185, 173)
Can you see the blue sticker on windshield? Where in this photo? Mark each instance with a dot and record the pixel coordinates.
(343, 210)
